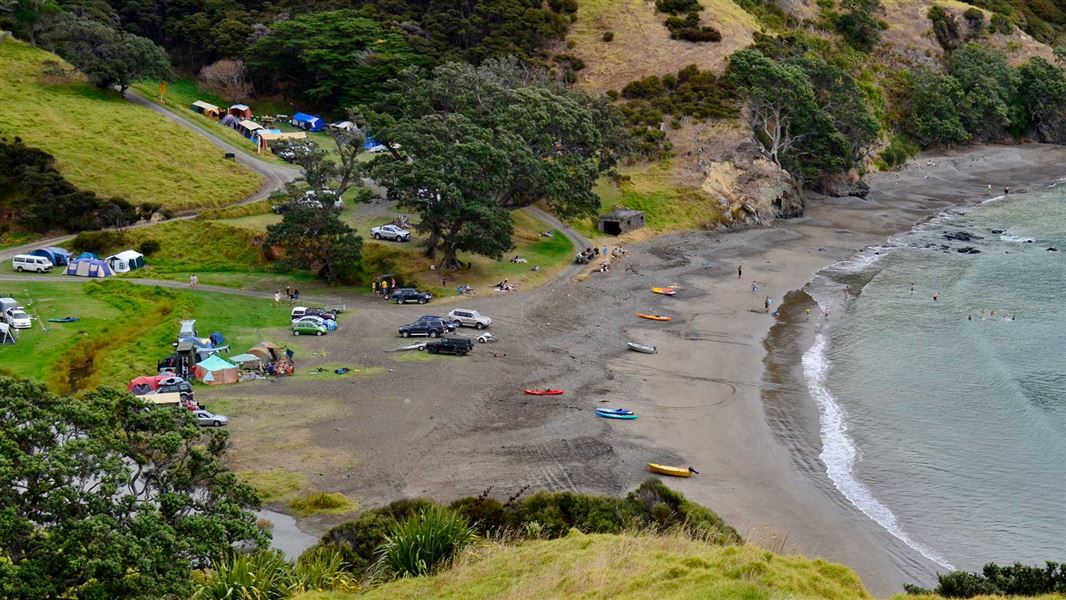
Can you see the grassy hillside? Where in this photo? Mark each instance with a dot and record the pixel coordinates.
(623, 566)
(108, 145)
(642, 44)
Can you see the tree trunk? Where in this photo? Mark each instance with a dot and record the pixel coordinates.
(431, 243)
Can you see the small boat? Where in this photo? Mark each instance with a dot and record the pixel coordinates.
(628, 415)
(641, 348)
(548, 392)
(417, 346)
(665, 291)
(654, 317)
(614, 411)
(64, 320)
(672, 471)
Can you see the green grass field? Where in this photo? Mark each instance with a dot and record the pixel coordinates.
(650, 188)
(124, 328)
(110, 146)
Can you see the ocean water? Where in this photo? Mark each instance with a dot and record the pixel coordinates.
(944, 424)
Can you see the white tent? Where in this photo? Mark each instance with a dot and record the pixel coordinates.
(126, 260)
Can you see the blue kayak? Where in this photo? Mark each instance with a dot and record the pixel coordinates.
(610, 415)
(614, 411)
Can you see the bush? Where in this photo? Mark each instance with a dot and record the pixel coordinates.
(98, 242)
(424, 543)
(688, 28)
(266, 574)
(945, 28)
(649, 87)
(896, 154)
(149, 247)
(563, 6)
(677, 7)
(608, 36)
(357, 541)
(1015, 580)
(1000, 24)
(975, 19)
(328, 502)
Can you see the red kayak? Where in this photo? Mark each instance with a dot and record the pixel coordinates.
(544, 392)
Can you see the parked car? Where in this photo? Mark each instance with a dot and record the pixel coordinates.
(25, 262)
(429, 327)
(390, 232)
(298, 312)
(17, 318)
(180, 387)
(405, 295)
(323, 197)
(309, 326)
(458, 346)
(470, 318)
(451, 324)
(209, 419)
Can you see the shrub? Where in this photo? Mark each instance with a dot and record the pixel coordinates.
(321, 569)
(1015, 580)
(328, 502)
(975, 19)
(649, 87)
(676, 7)
(424, 543)
(999, 23)
(563, 6)
(945, 28)
(896, 154)
(97, 242)
(266, 575)
(688, 28)
(608, 36)
(149, 247)
(357, 541)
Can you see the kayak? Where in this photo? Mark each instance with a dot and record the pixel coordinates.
(666, 291)
(671, 471)
(64, 320)
(641, 348)
(530, 392)
(614, 411)
(613, 415)
(654, 317)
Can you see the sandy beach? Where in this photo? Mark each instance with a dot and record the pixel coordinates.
(709, 398)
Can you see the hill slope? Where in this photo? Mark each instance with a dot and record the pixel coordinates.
(107, 145)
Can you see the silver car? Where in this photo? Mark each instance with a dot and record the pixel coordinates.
(390, 232)
(470, 318)
(209, 419)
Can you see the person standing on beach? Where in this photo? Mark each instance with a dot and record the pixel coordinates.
(754, 288)
(740, 271)
(766, 305)
(847, 290)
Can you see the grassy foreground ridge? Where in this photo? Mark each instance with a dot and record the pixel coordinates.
(108, 145)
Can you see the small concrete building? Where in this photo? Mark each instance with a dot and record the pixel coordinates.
(621, 220)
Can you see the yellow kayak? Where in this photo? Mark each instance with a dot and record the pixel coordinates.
(671, 471)
(666, 291)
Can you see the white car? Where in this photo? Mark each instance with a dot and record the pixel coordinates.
(208, 419)
(17, 318)
(321, 197)
(470, 318)
(390, 232)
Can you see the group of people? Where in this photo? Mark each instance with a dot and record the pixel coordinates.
(291, 294)
(505, 286)
(991, 316)
(464, 290)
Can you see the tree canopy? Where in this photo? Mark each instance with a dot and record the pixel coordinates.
(107, 56)
(471, 143)
(101, 497)
(928, 105)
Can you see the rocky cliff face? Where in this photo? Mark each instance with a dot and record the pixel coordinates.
(752, 190)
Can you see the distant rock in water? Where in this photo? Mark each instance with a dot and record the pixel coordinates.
(961, 236)
(1052, 249)
(968, 250)
(998, 231)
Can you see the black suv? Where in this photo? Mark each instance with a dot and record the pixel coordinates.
(184, 388)
(451, 324)
(451, 345)
(431, 327)
(405, 295)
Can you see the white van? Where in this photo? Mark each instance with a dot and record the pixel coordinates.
(25, 262)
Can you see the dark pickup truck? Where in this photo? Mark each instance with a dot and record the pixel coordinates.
(428, 327)
(451, 345)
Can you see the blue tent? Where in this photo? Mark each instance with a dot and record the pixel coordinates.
(309, 122)
(88, 255)
(58, 256)
(369, 143)
(89, 267)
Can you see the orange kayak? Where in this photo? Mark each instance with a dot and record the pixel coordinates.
(666, 291)
(538, 392)
(654, 317)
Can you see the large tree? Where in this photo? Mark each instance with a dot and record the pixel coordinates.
(29, 16)
(102, 497)
(107, 56)
(928, 108)
(990, 85)
(492, 139)
(1042, 87)
(315, 238)
(335, 58)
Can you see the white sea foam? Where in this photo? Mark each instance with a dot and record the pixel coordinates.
(1017, 239)
(839, 451)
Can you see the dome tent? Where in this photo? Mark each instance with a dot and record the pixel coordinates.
(217, 370)
(89, 267)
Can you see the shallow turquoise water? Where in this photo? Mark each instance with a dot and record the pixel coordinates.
(951, 432)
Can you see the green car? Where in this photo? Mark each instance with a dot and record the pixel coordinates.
(309, 326)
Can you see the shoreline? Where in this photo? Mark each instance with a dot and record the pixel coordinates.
(837, 530)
